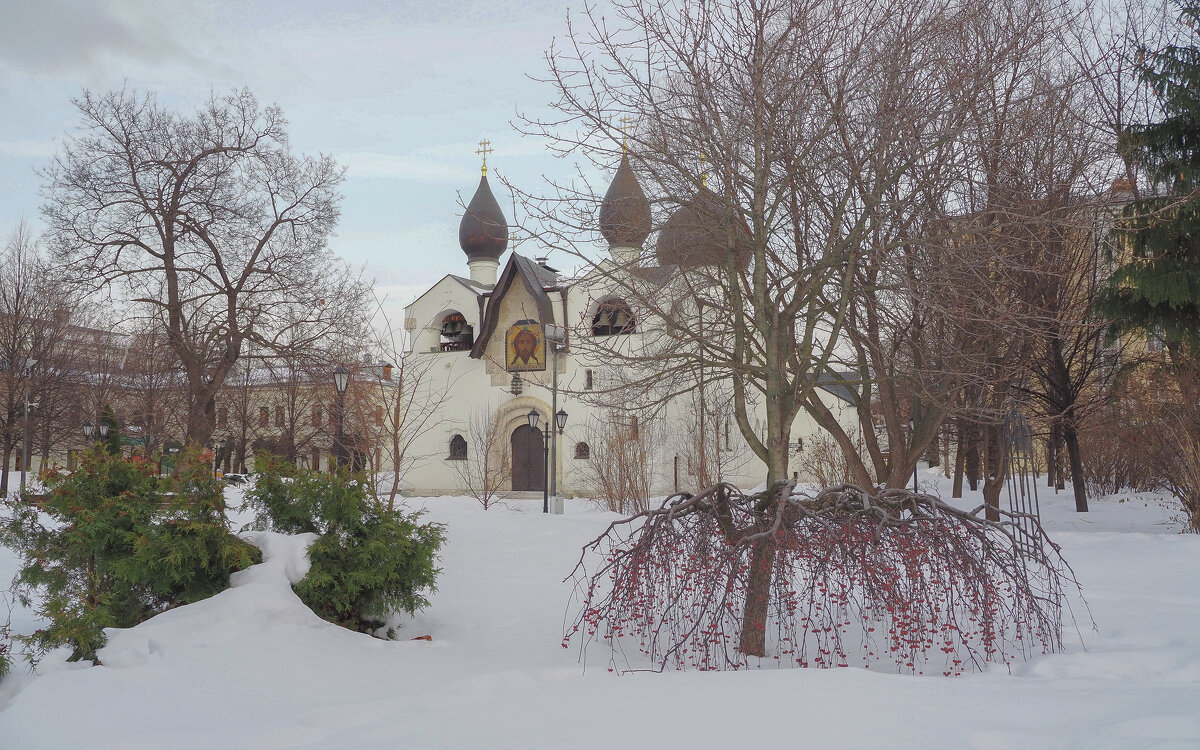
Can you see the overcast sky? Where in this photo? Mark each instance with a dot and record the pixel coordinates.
(399, 92)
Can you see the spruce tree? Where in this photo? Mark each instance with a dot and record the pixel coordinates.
(1156, 290)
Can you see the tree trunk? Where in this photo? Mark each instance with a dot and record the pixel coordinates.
(1051, 458)
(932, 453)
(1071, 438)
(4, 473)
(758, 599)
(973, 458)
(995, 466)
(202, 417)
(960, 461)
(947, 467)
(753, 640)
(991, 496)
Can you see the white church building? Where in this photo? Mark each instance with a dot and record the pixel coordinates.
(522, 338)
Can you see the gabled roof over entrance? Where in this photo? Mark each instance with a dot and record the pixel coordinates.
(536, 281)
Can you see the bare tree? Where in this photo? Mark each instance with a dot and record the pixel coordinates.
(482, 459)
(237, 416)
(295, 387)
(787, 145)
(618, 470)
(152, 386)
(704, 431)
(411, 396)
(207, 222)
(37, 315)
(773, 97)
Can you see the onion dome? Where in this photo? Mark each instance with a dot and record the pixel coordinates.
(483, 231)
(700, 232)
(625, 212)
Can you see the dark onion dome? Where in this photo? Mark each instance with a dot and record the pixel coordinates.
(699, 233)
(483, 231)
(625, 212)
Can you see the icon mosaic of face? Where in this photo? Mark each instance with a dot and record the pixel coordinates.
(525, 345)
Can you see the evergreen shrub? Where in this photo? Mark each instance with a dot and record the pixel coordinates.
(107, 548)
(368, 561)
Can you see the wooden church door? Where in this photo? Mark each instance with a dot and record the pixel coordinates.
(528, 461)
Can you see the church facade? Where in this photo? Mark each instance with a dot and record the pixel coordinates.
(518, 337)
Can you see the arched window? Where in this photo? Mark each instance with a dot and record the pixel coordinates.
(583, 450)
(613, 316)
(458, 448)
(456, 335)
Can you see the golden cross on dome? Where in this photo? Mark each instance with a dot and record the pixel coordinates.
(485, 149)
(625, 120)
(703, 170)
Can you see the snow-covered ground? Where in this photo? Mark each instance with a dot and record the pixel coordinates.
(253, 668)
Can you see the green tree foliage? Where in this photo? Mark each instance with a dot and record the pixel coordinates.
(189, 554)
(1156, 289)
(106, 548)
(112, 441)
(367, 562)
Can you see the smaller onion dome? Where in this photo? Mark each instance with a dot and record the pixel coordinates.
(699, 233)
(483, 231)
(625, 212)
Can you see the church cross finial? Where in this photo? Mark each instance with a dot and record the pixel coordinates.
(625, 120)
(485, 149)
(703, 170)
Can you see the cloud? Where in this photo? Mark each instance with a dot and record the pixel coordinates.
(28, 149)
(402, 166)
(56, 38)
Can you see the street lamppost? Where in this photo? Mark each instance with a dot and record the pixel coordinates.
(90, 432)
(25, 439)
(341, 379)
(561, 419)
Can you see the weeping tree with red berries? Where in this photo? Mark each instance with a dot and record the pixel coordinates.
(889, 577)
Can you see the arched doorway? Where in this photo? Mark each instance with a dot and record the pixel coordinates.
(528, 461)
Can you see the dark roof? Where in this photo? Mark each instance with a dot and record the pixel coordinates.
(471, 285)
(656, 275)
(536, 280)
(839, 384)
(547, 278)
(474, 286)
